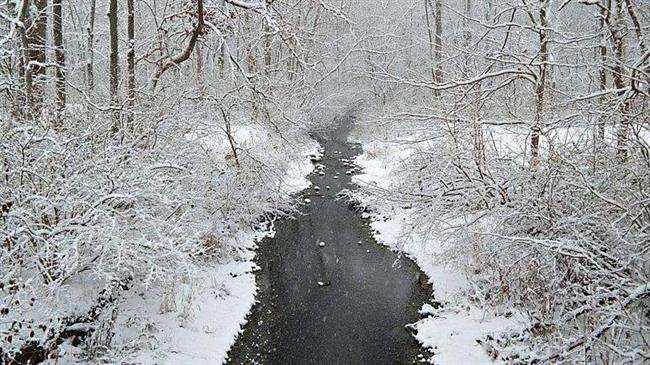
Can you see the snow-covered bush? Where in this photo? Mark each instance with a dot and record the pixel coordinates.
(136, 148)
(86, 215)
(518, 136)
(564, 242)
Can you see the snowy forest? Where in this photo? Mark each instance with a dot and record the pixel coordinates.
(324, 181)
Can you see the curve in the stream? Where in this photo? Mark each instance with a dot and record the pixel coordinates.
(347, 302)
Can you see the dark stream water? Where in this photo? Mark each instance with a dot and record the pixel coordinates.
(344, 303)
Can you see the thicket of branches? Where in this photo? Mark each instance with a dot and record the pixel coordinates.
(531, 149)
(119, 162)
(529, 122)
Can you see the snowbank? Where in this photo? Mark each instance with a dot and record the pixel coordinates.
(453, 331)
(208, 313)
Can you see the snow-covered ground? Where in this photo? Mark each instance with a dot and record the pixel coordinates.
(201, 322)
(453, 330)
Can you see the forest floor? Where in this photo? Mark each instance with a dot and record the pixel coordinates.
(328, 293)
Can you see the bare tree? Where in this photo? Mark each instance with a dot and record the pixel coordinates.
(114, 64)
(130, 57)
(36, 47)
(438, 40)
(90, 47)
(427, 13)
(602, 50)
(25, 69)
(614, 20)
(542, 28)
(59, 51)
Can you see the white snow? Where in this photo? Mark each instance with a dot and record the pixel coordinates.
(296, 176)
(427, 309)
(453, 332)
(210, 312)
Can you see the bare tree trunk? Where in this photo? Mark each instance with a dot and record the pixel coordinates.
(36, 37)
(438, 40)
(602, 48)
(222, 57)
(638, 30)
(467, 38)
(268, 52)
(617, 76)
(200, 73)
(231, 138)
(290, 59)
(25, 70)
(57, 23)
(90, 77)
(251, 49)
(540, 87)
(479, 145)
(468, 13)
(431, 43)
(130, 57)
(477, 126)
(114, 64)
